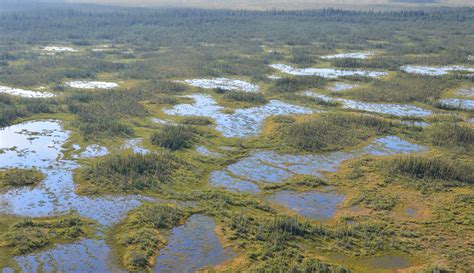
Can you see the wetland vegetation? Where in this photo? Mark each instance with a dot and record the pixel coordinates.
(178, 140)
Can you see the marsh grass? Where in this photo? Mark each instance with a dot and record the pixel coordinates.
(422, 167)
(291, 85)
(200, 121)
(127, 172)
(451, 135)
(249, 97)
(333, 131)
(29, 235)
(20, 177)
(403, 88)
(174, 137)
(141, 233)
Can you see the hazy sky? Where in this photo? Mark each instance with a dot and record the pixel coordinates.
(265, 4)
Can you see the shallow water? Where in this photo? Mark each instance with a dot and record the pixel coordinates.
(133, 144)
(435, 71)
(410, 212)
(243, 122)
(25, 93)
(399, 110)
(354, 55)
(415, 123)
(223, 83)
(94, 150)
(191, 247)
(342, 86)
(331, 73)
(224, 179)
(275, 77)
(59, 49)
(164, 122)
(389, 262)
(465, 92)
(313, 204)
(205, 151)
(38, 144)
(84, 256)
(270, 167)
(92, 85)
(464, 104)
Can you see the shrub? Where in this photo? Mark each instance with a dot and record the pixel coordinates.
(173, 137)
(452, 135)
(333, 131)
(245, 97)
(132, 171)
(143, 238)
(290, 85)
(196, 121)
(20, 177)
(28, 235)
(435, 168)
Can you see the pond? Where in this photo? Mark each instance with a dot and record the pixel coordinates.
(435, 71)
(25, 93)
(399, 110)
(262, 167)
(330, 73)
(192, 246)
(241, 123)
(224, 84)
(316, 205)
(92, 85)
(353, 55)
(39, 144)
(463, 104)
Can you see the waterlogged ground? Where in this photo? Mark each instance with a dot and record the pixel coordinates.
(330, 73)
(399, 110)
(465, 92)
(192, 246)
(38, 144)
(263, 167)
(224, 84)
(342, 86)
(25, 93)
(134, 145)
(206, 152)
(88, 255)
(435, 71)
(241, 123)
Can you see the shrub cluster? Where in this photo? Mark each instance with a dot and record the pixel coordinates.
(132, 171)
(333, 131)
(173, 137)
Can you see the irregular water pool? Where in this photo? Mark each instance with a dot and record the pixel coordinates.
(243, 122)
